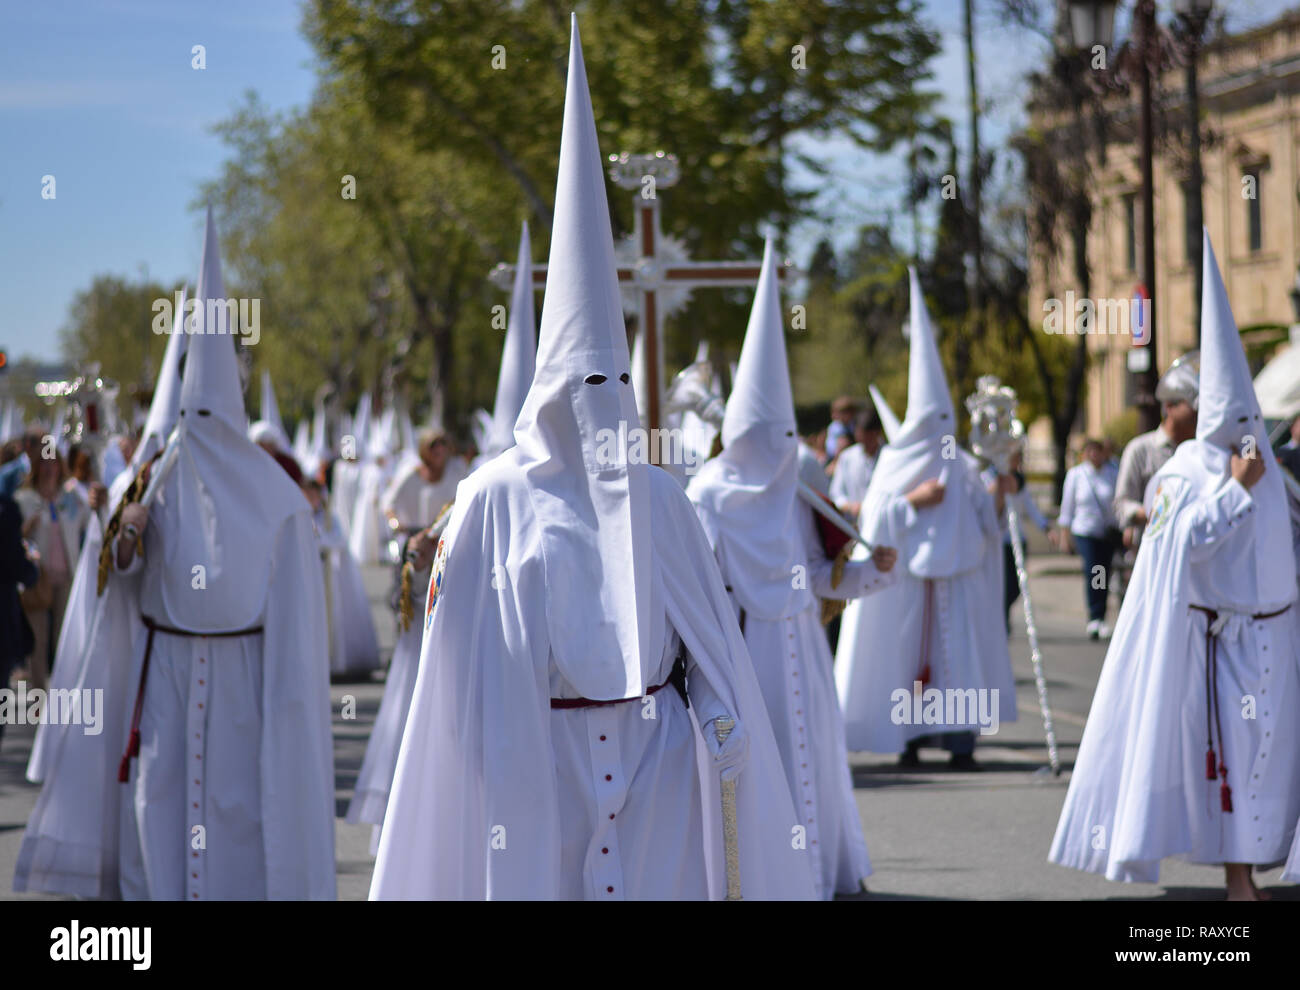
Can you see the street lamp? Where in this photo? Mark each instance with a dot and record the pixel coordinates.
(1194, 15)
(1092, 22)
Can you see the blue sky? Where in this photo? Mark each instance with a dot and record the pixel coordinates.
(101, 95)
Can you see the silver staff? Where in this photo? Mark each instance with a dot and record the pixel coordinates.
(722, 727)
(995, 436)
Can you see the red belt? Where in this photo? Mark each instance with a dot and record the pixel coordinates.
(133, 741)
(1212, 722)
(588, 703)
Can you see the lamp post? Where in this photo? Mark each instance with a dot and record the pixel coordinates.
(1194, 15)
(1093, 23)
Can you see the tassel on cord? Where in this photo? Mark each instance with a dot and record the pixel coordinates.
(1209, 764)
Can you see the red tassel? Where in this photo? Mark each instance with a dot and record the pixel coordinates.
(124, 770)
(133, 743)
(925, 674)
(1209, 765)
(1225, 798)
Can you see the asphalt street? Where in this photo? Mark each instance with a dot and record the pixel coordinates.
(933, 833)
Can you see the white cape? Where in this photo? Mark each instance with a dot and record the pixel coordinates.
(477, 753)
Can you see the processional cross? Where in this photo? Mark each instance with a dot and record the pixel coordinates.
(656, 272)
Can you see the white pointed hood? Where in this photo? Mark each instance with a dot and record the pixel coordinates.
(592, 505)
(270, 410)
(360, 432)
(929, 404)
(1229, 420)
(640, 378)
(888, 420)
(518, 355)
(750, 487)
(164, 408)
(945, 539)
(223, 500)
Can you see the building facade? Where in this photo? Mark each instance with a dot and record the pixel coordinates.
(1250, 120)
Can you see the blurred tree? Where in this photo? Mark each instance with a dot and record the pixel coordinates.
(110, 322)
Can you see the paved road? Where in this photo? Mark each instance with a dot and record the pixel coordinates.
(932, 833)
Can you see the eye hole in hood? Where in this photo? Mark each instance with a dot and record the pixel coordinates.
(595, 379)
(624, 378)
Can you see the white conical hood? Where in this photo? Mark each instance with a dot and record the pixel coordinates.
(750, 487)
(270, 410)
(640, 378)
(1229, 421)
(163, 409)
(210, 386)
(360, 427)
(1227, 409)
(946, 539)
(302, 441)
(929, 403)
(592, 504)
(222, 501)
(888, 420)
(760, 388)
(518, 355)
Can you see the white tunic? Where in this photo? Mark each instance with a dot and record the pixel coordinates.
(852, 475)
(887, 639)
(794, 666)
(1139, 791)
(353, 647)
(415, 502)
(498, 795)
(229, 803)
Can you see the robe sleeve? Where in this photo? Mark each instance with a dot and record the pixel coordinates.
(1066, 515)
(297, 754)
(1213, 520)
(859, 577)
(473, 811)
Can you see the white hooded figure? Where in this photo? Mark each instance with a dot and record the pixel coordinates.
(91, 619)
(353, 645)
(353, 452)
(928, 655)
(368, 534)
(495, 433)
(216, 757)
(548, 753)
(1192, 748)
(270, 410)
(770, 554)
(412, 502)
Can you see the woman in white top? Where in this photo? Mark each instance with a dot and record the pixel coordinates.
(1087, 521)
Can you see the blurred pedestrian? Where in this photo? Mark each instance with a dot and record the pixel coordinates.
(1087, 521)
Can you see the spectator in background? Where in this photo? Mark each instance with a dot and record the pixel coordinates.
(1177, 393)
(1087, 522)
(840, 432)
(54, 521)
(16, 568)
(854, 465)
(1288, 454)
(81, 477)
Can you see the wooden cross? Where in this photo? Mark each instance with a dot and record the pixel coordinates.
(649, 274)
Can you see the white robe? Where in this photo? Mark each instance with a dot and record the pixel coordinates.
(346, 477)
(369, 530)
(415, 502)
(353, 646)
(794, 667)
(1139, 791)
(882, 636)
(247, 718)
(852, 475)
(497, 795)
